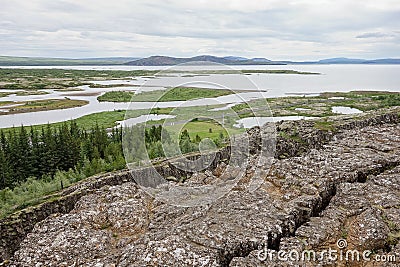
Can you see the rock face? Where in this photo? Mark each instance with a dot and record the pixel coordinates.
(14, 229)
(346, 187)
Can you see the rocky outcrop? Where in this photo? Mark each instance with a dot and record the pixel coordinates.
(364, 216)
(14, 229)
(346, 187)
(297, 137)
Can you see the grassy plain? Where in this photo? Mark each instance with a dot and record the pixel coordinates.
(173, 94)
(41, 105)
(321, 106)
(36, 79)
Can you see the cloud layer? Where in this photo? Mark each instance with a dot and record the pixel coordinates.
(297, 29)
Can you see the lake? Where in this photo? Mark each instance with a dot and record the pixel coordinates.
(333, 78)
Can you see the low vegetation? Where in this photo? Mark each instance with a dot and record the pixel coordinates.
(36, 163)
(116, 96)
(208, 72)
(205, 129)
(36, 79)
(95, 85)
(280, 72)
(23, 93)
(321, 106)
(42, 105)
(324, 125)
(173, 94)
(105, 119)
(60, 79)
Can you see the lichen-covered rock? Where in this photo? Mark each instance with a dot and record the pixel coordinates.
(346, 188)
(91, 233)
(365, 215)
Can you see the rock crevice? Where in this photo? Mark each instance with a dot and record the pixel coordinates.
(119, 225)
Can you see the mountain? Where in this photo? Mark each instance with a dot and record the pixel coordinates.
(232, 60)
(235, 58)
(41, 61)
(261, 59)
(340, 60)
(343, 60)
(384, 61)
(169, 61)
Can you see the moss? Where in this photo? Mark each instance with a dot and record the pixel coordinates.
(394, 234)
(325, 126)
(105, 225)
(393, 238)
(344, 233)
(293, 136)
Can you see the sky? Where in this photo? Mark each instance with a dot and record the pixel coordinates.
(274, 29)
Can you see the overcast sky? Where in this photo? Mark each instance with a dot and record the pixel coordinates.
(275, 29)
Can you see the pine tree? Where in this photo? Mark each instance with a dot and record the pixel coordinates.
(36, 154)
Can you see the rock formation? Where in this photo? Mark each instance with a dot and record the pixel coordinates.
(343, 185)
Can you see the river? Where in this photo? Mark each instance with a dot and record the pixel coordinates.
(333, 78)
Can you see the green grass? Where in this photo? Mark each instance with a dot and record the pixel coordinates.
(179, 94)
(36, 79)
(173, 94)
(94, 85)
(43, 74)
(34, 191)
(240, 107)
(116, 96)
(23, 93)
(280, 72)
(324, 125)
(43, 105)
(208, 72)
(321, 106)
(202, 129)
(295, 137)
(105, 119)
(6, 103)
(32, 61)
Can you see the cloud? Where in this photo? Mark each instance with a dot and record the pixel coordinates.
(276, 29)
(374, 35)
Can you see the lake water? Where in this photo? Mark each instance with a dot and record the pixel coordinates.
(143, 118)
(260, 121)
(345, 110)
(333, 78)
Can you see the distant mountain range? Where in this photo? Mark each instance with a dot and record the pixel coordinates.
(343, 60)
(41, 61)
(169, 61)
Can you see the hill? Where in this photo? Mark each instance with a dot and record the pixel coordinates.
(42, 61)
(169, 61)
(343, 60)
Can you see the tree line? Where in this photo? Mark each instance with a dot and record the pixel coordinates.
(32, 153)
(28, 152)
